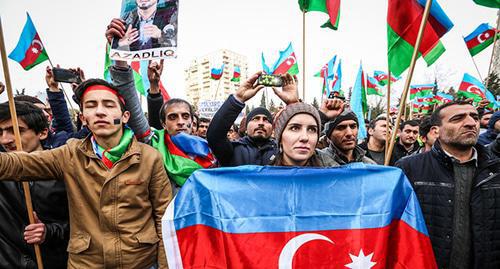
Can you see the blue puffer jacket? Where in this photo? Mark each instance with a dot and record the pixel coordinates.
(490, 134)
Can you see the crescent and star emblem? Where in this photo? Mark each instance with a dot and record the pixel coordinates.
(290, 60)
(293, 245)
(34, 49)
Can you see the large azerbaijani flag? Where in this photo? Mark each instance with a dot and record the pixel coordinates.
(182, 154)
(29, 50)
(403, 22)
(286, 63)
(330, 7)
(480, 38)
(285, 217)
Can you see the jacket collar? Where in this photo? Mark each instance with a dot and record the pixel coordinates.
(483, 156)
(85, 147)
(358, 154)
(249, 141)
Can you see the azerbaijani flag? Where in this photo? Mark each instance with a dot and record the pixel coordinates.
(426, 99)
(182, 154)
(372, 87)
(421, 90)
(285, 217)
(330, 7)
(286, 63)
(443, 98)
(383, 77)
(488, 3)
(421, 107)
(480, 38)
(471, 88)
(337, 79)
(327, 69)
(403, 22)
(29, 50)
(236, 74)
(359, 104)
(216, 73)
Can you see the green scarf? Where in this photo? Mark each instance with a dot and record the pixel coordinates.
(110, 156)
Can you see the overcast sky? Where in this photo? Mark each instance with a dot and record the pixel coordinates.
(73, 34)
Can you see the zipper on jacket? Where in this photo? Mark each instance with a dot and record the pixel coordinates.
(434, 184)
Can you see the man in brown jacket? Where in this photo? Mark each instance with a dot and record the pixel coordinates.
(117, 187)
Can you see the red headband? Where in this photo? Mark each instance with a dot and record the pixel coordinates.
(103, 88)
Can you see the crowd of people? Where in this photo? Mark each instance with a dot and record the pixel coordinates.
(100, 185)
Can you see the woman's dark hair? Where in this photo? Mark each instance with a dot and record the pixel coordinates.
(172, 102)
(27, 112)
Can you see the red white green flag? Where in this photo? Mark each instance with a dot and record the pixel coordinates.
(488, 3)
(372, 87)
(421, 90)
(403, 22)
(330, 7)
(30, 50)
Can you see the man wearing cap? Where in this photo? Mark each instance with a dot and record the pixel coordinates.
(492, 132)
(342, 133)
(256, 147)
(117, 188)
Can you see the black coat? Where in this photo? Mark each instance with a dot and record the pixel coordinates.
(242, 152)
(51, 205)
(431, 174)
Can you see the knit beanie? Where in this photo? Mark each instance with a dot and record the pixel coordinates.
(345, 115)
(494, 118)
(291, 110)
(259, 111)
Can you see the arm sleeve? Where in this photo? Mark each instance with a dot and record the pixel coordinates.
(57, 233)
(217, 131)
(160, 196)
(155, 102)
(60, 112)
(38, 165)
(123, 79)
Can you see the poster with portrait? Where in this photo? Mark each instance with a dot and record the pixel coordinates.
(151, 30)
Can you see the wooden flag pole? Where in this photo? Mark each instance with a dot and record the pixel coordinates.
(402, 102)
(388, 116)
(494, 45)
(17, 134)
(304, 55)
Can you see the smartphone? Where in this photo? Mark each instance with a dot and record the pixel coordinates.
(335, 95)
(66, 76)
(270, 80)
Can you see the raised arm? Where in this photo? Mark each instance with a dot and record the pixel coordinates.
(37, 165)
(225, 117)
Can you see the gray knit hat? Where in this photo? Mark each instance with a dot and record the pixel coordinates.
(345, 115)
(291, 110)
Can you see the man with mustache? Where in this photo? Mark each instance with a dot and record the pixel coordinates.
(342, 133)
(457, 186)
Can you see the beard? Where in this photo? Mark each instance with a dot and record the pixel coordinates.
(457, 141)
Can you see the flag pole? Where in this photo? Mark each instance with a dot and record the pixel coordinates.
(494, 45)
(304, 55)
(402, 102)
(474, 61)
(17, 134)
(388, 116)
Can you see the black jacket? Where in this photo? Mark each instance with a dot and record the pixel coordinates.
(242, 152)
(494, 147)
(51, 205)
(399, 151)
(431, 174)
